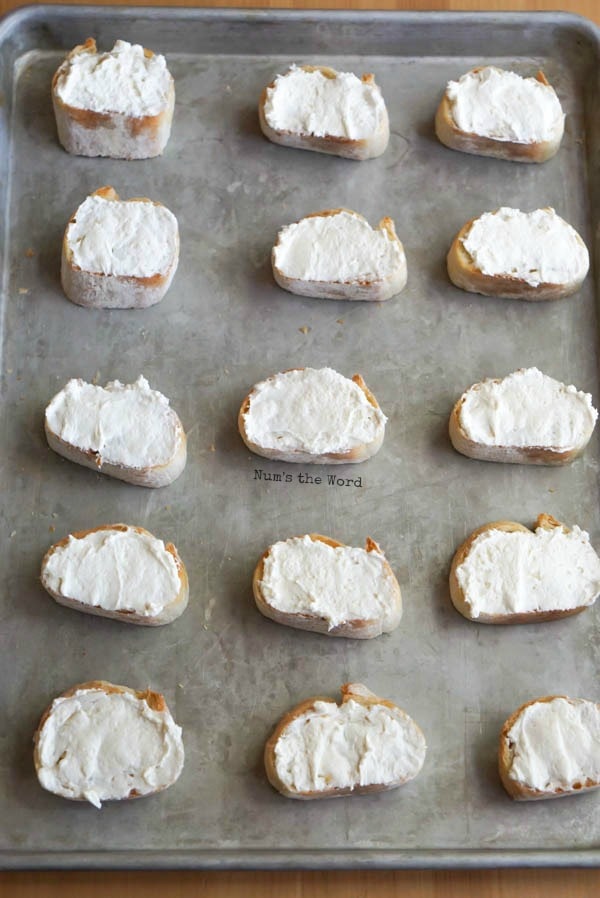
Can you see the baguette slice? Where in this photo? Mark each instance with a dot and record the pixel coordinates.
(492, 112)
(117, 571)
(127, 431)
(314, 416)
(321, 749)
(523, 418)
(119, 254)
(518, 255)
(550, 748)
(498, 577)
(316, 108)
(335, 254)
(118, 103)
(316, 583)
(100, 742)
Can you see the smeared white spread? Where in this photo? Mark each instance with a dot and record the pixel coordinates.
(115, 570)
(556, 744)
(351, 745)
(122, 80)
(100, 747)
(306, 576)
(125, 424)
(312, 410)
(527, 408)
(502, 105)
(127, 238)
(340, 248)
(517, 572)
(309, 103)
(537, 247)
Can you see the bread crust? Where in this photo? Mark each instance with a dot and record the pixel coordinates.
(360, 628)
(375, 291)
(350, 692)
(451, 136)
(358, 150)
(168, 614)
(547, 522)
(84, 132)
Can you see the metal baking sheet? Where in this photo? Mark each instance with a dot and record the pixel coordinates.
(228, 674)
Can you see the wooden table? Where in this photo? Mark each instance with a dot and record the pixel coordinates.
(369, 884)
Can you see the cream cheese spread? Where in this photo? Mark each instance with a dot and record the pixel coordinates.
(527, 408)
(342, 747)
(307, 576)
(339, 248)
(125, 424)
(556, 745)
(518, 572)
(101, 747)
(310, 103)
(128, 238)
(114, 569)
(537, 247)
(492, 102)
(317, 411)
(123, 80)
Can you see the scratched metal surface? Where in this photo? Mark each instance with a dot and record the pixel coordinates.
(228, 674)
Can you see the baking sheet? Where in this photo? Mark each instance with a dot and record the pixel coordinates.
(228, 674)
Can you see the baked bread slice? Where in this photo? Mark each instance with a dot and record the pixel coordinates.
(523, 418)
(117, 571)
(321, 749)
(316, 108)
(127, 431)
(118, 103)
(550, 748)
(335, 254)
(316, 583)
(119, 254)
(314, 416)
(493, 112)
(101, 742)
(519, 255)
(505, 573)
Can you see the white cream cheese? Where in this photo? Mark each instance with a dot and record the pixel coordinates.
(339, 248)
(117, 570)
(306, 576)
(313, 410)
(123, 80)
(537, 247)
(518, 572)
(310, 103)
(125, 424)
(333, 746)
(127, 238)
(502, 105)
(527, 408)
(556, 745)
(100, 747)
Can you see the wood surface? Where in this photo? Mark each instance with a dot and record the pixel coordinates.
(562, 883)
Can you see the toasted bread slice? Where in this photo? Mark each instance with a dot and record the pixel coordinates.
(316, 108)
(523, 418)
(506, 574)
(118, 103)
(119, 254)
(314, 416)
(127, 431)
(377, 747)
(335, 254)
(493, 112)
(100, 742)
(550, 748)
